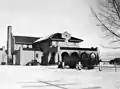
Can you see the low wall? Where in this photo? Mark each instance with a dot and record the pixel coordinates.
(3, 56)
(0, 55)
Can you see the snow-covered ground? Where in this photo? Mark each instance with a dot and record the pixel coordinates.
(50, 77)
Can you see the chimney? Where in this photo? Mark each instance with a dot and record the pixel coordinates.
(9, 55)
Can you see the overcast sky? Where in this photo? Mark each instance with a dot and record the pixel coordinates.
(43, 17)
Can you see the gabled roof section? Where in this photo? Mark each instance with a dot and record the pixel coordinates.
(25, 39)
(58, 37)
(42, 38)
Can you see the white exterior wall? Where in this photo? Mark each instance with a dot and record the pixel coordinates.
(0, 56)
(40, 54)
(3, 56)
(68, 44)
(65, 44)
(26, 56)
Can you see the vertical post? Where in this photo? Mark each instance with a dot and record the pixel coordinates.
(49, 57)
(100, 66)
(34, 54)
(14, 60)
(21, 59)
(59, 56)
(79, 65)
(115, 68)
(99, 60)
(9, 55)
(63, 64)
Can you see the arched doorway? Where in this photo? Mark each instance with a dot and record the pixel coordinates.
(65, 56)
(75, 56)
(93, 58)
(84, 59)
(73, 60)
(92, 55)
(84, 56)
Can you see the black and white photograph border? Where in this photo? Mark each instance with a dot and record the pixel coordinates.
(59, 44)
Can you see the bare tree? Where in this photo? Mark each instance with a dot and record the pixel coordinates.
(108, 16)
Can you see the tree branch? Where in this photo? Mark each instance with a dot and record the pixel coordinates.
(104, 24)
(114, 41)
(108, 47)
(110, 20)
(117, 8)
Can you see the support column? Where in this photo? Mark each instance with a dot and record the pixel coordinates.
(59, 54)
(60, 58)
(14, 60)
(49, 56)
(56, 57)
(21, 56)
(34, 55)
(63, 64)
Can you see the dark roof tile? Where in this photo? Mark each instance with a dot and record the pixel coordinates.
(25, 39)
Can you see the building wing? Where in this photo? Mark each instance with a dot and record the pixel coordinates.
(25, 39)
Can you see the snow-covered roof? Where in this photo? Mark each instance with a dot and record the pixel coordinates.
(42, 38)
(58, 36)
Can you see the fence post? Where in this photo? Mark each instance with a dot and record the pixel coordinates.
(100, 66)
(63, 64)
(115, 68)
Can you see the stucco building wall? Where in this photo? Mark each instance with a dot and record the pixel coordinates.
(26, 56)
(17, 58)
(1, 56)
(38, 56)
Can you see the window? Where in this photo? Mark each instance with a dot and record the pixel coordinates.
(30, 46)
(37, 55)
(24, 46)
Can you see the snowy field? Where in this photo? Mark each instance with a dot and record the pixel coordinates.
(50, 77)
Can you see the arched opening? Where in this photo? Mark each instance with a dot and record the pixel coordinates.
(65, 56)
(93, 58)
(73, 60)
(84, 56)
(75, 56)
(84, 59)
(92, 55)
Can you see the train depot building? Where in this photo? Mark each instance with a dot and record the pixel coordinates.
(56, 48)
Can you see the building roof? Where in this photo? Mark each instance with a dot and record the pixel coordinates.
(54, 37)
(25, 39)
(58, 37)
(85, 49)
